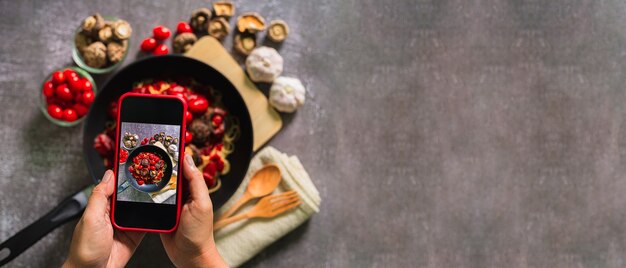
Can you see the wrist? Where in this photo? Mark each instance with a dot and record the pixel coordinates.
(70, 263)
(209, 257)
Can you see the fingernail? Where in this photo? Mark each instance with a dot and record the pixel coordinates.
(190, 163)
(107, 176)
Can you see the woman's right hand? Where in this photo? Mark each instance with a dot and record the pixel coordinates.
(192, 244)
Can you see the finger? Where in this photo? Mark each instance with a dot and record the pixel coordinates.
(197, 188)
(99, 200)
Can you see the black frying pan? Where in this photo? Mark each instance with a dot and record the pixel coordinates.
(148, 188)
(121, 82)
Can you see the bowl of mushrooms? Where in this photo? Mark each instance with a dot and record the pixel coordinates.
(101, 43)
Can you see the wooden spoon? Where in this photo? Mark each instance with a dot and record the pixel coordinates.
(262, 183)
(268, 207)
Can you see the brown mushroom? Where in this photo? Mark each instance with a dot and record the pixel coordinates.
(244, 43)
(224, 9)
(200, 20)
(105, 35)
(81, 41)
(277, 31)
(219, 28)
(92, 24)
(250, 22)
(95, 55)
(122, 30)
(116, 51)
(183, 42)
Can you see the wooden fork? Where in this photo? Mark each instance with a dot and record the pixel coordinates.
(267, 207)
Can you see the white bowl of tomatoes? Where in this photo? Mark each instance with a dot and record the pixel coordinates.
(66, 96)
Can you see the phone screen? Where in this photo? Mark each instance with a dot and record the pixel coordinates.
(148, 163)
(149, 144)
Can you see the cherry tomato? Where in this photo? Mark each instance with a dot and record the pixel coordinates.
(112, 110)
(192, 97)
(220, 165)
(69, 73)
(178, 89)
(58, 78)
(140, 182)
(161, 50)
(152, 162)
(188, 137)
(48, 89)
(208, 179)
(152, 168)
(211, 168)
(69, 115)
(87, 86)
(161, 32)
(131, 169)
(188, 116)
(63, 92)
(55, 111)
(80, 109)
(183, 27)
(141, 90)
(52, 100)
(75, 83)
(199, 105)
(217, 120)
(78, 98)
(148, 44)
(88, 98)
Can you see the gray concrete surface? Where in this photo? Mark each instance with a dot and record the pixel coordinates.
(441, 133)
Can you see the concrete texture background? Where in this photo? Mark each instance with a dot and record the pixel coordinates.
(440, 133)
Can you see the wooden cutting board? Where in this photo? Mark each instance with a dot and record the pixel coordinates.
(266, 122)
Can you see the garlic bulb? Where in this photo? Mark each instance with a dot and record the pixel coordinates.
(287, 94)
(264, 64)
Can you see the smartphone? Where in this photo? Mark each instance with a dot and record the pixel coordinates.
(148, 165)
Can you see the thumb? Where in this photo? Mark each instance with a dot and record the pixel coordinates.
(197, 187)
(99, 200)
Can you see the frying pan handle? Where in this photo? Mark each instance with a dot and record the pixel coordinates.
(71, 208)
(123, 186)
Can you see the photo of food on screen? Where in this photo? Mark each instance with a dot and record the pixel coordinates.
(147, 168)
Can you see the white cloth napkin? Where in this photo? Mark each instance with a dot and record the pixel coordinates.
(240, 241)
(160, 197)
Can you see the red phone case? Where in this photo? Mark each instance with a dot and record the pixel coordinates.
(181, 150)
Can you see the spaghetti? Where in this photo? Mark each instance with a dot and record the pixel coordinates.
(212, 132)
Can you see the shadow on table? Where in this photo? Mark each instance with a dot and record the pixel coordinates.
(285, 242)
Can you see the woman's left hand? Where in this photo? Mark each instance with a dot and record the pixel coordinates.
(95, 242)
